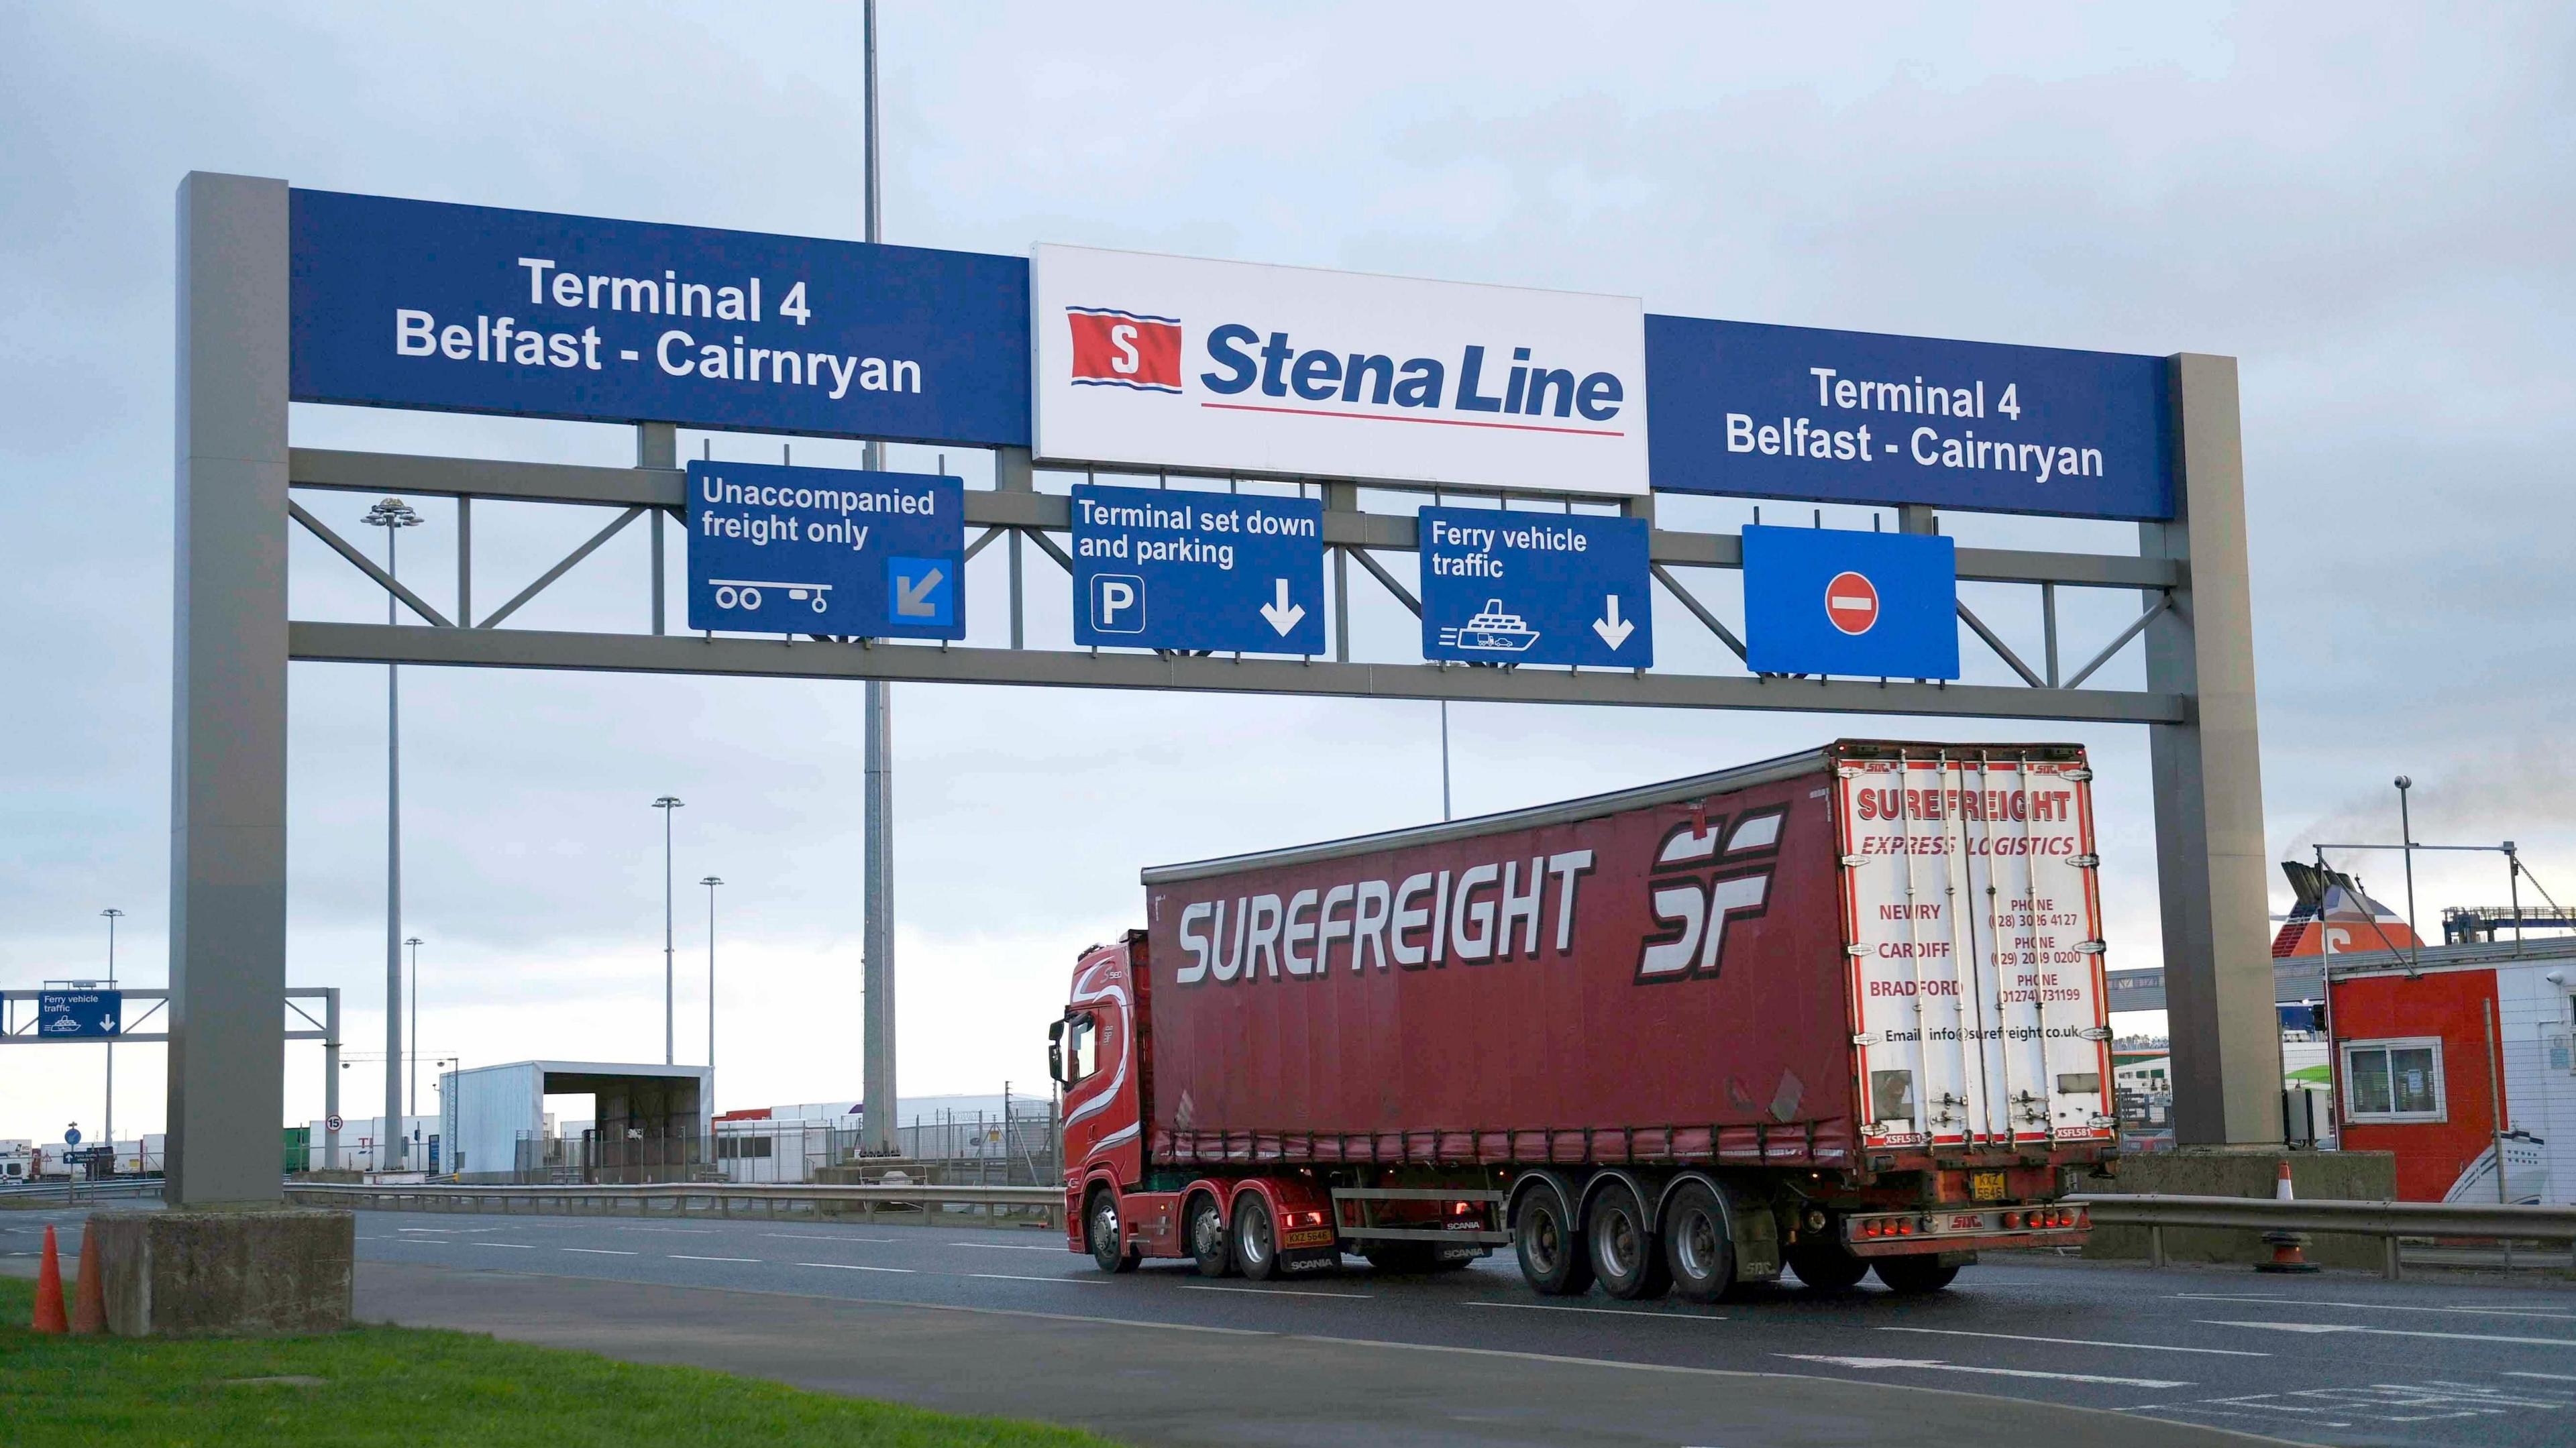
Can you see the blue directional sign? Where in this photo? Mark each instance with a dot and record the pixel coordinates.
(1225, 572)
(1833, 601)
(397, 303)
(71, 1136)
(826, 551)
(1858, 417)
(80, 1014)
(1535, 588)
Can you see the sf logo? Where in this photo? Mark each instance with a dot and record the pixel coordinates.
(1707, 876)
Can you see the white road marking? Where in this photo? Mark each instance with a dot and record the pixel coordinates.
(2079, 1341)
(1272, 1291)
(854, 1267)
(2550, 1377)
(822, 1237)
(1604, 1311)
(507, 1246)
(599, 1251)
(683, 1257)
(1005, 1246)
(1070, 1281)
(2382, 1306)
(2314, 1328)
(1874, 1364)
(692, 1231)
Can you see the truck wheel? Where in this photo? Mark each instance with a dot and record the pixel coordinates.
(1551, 1251)
(1825, 1264)
(1100, 1233)
(1699, 1251)
(1625, 1255)
(1913, 1276)
(1256, 1246)
(1209, 1249)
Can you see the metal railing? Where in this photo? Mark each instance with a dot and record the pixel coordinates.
(1036, 1206)
(2388, 1221)
(56, 1189)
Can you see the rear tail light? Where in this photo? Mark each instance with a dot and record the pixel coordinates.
(1462, 1209)
(1869, 1229)
(2011, 1220)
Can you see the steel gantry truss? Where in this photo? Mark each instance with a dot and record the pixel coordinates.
(1014, 510)
(233, 639)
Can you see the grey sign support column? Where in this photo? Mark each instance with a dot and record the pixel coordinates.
(331, 1075)
(228, 696)
(2208, 777)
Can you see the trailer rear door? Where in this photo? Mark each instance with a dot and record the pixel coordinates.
(1973, 925)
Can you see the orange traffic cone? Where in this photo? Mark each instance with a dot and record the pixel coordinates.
(89, 1294)
(2287, 1253)
(49, 1288)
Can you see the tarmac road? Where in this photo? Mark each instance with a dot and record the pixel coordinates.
(1007, 1321)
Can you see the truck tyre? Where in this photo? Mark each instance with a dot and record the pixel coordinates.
(1913, 1276)
(1100, 1232)
(1625, 1255)
(1256, 1245)
(1551, 1251)
(1210, 1251)
(1825, 1264)
(1699, 1249)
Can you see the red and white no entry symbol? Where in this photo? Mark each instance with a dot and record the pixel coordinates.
(1851, 602)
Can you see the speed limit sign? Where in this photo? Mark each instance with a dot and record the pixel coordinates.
(332, 1122)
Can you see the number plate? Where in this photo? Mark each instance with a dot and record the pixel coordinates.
(1986, 1186)
(1308, 1237)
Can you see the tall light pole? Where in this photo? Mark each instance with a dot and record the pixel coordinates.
(666, 804)
(876, 936)
(109, 1131)
(393, 515)
(711, 882)
(414, 1093)
(2406, 833)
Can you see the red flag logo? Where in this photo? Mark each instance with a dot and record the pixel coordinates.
(1112, 348)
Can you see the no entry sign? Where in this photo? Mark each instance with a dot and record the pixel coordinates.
(1868, 605)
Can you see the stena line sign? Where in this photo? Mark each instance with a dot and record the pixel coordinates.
(1239, 368)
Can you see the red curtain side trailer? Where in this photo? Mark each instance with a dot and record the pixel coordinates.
(1837, 1010)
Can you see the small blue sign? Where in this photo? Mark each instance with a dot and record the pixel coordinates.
(1862, 605)
(793, 550)
(71, 1015)
(71, 1137)
(1223, 572)
(1535, 588)
(398, 303)
(1860, 417)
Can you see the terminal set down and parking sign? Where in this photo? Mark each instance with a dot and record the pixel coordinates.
(1177, 569)
(793, 550)
(1830, 601)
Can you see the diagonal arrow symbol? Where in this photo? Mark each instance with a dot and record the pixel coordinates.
(1282, 614)
(1613, 629)
(912, 596)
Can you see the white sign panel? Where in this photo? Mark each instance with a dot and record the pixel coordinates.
(1234, 367)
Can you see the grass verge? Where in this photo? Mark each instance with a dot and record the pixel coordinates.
(409, 1386)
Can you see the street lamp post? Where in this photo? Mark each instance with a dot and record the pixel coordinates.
(711, 882)
(666, 804)
(109, 1130)
(393, 515)
(2406, 833)
(414, 1092)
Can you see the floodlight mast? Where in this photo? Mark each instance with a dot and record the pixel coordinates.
(876, 936)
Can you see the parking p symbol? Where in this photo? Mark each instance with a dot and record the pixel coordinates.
(1118, 603)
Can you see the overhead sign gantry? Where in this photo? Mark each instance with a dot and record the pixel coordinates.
(1217, 388)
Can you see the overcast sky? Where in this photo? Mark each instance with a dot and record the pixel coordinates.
(2370, 208)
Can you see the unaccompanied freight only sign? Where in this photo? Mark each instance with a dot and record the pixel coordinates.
(1860, 417)
(401, 303)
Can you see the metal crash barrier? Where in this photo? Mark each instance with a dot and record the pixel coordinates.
(2388, 1221)
(1029, 1206)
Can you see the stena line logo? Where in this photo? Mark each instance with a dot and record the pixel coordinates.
(1112, 348)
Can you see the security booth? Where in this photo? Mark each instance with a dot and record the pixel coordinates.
(647, 1123)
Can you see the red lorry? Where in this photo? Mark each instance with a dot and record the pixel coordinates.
(1842, 1010)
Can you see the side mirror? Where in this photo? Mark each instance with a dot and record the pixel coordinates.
(1055, 1053)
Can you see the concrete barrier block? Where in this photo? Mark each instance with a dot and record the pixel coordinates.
(226, 1273)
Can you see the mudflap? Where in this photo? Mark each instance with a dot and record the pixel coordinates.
(1957, 1259)
(1312, 1260)
(1757, 1245)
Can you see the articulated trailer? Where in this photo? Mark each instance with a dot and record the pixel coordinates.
(1839, 1011)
